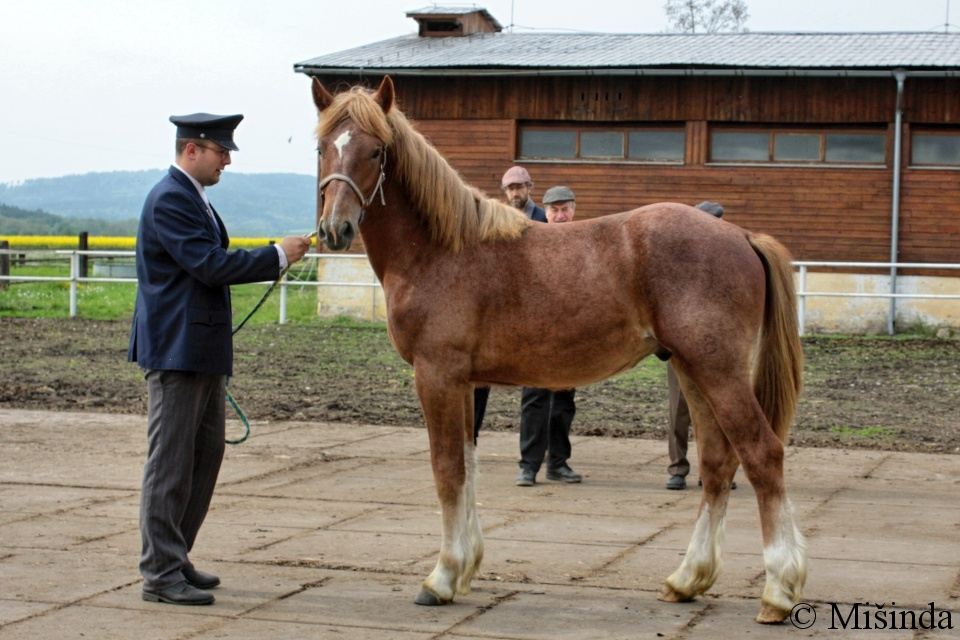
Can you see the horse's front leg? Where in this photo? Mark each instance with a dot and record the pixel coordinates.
(448, 411)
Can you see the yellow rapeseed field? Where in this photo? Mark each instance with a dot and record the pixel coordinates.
(108, 242)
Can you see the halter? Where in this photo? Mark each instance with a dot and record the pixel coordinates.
(364, 200)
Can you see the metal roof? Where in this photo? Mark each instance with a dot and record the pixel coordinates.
(597, 53)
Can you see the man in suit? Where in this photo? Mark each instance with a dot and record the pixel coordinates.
(181, 337)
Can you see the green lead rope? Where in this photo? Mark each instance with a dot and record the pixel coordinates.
(233, 403)
(256, 307)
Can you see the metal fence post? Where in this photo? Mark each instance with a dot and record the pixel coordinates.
(74, 274)
(283, 299)
(4, 263)
(802, 303)
(83, 244)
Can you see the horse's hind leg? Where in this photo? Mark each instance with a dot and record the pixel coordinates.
(761, 454)
(447, 409)
(701, 564)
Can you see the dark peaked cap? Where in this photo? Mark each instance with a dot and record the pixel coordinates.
(206, 126)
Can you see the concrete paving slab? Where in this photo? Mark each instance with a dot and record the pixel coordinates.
(247, 587)
(84, 622)
(59, 532)
(14, 610)
(48, 575)
(379, 601)
(252, 629)
(580, 613)
(327, 531)
(21, 500)
(362, 550)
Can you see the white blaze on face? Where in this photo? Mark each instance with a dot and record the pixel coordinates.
(342, 140)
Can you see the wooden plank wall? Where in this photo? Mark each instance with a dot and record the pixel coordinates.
(819, 213)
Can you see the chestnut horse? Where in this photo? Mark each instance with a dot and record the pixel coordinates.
(471, 286)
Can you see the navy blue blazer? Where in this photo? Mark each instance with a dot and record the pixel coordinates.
(182, 320)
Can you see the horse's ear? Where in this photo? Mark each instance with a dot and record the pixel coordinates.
(321, 97)
(384, 94)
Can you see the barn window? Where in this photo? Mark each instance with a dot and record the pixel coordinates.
(798, 146)
(935, 148)
(657, 146)
(602, 143)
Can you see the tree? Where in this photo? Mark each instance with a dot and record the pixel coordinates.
(707, 16)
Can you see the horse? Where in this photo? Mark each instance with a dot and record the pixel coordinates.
(471, 284)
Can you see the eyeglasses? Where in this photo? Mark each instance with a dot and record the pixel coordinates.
(224, 153)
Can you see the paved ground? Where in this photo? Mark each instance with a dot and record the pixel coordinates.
(325, 531)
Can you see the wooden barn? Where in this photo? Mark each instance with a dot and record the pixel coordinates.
(845, 146)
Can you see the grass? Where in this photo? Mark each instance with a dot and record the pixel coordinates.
(868, 432)
(112, 301)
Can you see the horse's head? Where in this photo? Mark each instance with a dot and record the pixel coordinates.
(352, 136)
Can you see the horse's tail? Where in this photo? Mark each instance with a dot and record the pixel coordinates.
(778, 369)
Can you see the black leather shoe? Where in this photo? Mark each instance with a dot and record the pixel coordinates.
(677, 483)
(180, 593)
(526, 478)
(200, 579)
(564, 474)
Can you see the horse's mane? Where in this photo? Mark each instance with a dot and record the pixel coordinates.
(457, 214)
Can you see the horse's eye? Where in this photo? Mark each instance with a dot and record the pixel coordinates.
(375, 154)
(319, 151)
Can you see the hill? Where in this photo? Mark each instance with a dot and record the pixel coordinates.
(15, 221)
(252, 204)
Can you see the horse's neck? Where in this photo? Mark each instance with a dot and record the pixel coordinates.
(394, 236)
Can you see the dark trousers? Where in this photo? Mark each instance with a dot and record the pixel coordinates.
(480, 396)
(678, 433)
(545, 420)
(185, 446)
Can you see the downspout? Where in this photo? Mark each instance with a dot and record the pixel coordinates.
(895, 205)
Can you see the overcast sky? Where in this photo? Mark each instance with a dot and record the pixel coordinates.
(88, 85)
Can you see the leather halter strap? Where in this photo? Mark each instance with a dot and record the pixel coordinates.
(364, 200)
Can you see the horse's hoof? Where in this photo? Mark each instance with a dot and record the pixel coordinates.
(669, 594)
(771, 615)
(427, 599)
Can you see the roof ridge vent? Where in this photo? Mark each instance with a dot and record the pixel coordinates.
(453, 21)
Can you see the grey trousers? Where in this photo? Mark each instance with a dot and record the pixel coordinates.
(678, 432)
(185, 446)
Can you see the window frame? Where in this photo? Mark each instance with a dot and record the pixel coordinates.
(821, 131)
(931, 131)
(624, 129)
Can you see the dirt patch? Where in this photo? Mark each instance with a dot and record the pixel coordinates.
(898, 394)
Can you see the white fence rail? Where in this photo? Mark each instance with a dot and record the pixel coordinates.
(75, 279)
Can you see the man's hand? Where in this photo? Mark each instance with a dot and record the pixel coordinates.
(295, 247)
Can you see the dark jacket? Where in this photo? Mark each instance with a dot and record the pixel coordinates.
(182, 320)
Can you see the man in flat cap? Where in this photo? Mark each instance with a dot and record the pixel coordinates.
(517, 186)
(546, 416)
(181, 337)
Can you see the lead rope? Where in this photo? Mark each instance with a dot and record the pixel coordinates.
(256, 307)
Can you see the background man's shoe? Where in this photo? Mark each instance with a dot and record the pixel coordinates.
(200, 579)
(526, 478)
(677, 483)
(180, 593)
(564, 474)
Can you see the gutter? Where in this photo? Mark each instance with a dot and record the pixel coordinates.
(901, 77)
(546, 72)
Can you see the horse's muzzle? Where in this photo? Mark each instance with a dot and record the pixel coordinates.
(337, 236)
